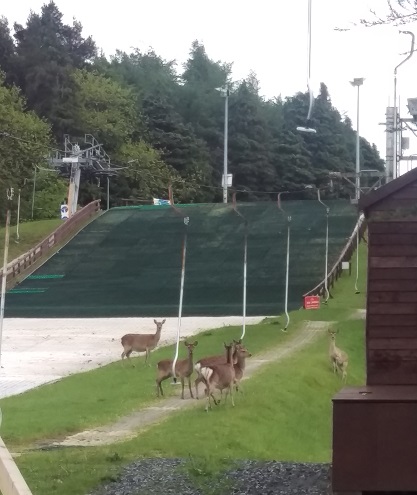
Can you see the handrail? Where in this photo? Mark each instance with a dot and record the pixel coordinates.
(24, 261)
(337, 267)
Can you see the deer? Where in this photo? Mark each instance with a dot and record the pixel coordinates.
(183, 369)
(220, 376)
(241, 354)
(141, 342)
(338, 358)
(210, 361)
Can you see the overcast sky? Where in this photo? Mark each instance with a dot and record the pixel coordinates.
(269, 37)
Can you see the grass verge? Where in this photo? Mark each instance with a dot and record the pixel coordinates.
(30, 233)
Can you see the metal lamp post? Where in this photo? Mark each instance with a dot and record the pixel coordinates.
(358, 81)
(225, 92)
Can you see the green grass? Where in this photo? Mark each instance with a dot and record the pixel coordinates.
(284, 413)
(30, 233)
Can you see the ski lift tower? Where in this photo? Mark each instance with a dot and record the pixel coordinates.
(89, 156)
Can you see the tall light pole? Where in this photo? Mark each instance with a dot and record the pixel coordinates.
(225, 93)
(358, 81)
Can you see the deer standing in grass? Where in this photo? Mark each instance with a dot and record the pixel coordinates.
(338, 358)
(241, 353)
(220, 376)
(183, 370)
(141, 342)
(210, 361)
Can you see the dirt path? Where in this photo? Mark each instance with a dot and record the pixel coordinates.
(128, 426)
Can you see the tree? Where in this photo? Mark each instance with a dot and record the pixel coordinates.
(47, 50)
(103, 108)
(7, 53)
(399, 12)
(24, 142)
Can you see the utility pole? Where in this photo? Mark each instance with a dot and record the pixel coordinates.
(358, 83)
(225, 93)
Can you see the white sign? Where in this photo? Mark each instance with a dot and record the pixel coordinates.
(229, 180)
(64, 212)
(345, 265)
(157, 201)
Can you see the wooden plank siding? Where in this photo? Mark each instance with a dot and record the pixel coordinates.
(391, 326)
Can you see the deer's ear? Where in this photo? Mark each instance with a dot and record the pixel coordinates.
(195, 343)
(156, 323)
(163, 321)
(185, 343)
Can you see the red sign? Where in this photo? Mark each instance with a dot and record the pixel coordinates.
(311, 302)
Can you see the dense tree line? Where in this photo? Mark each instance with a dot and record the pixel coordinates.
(161, 123)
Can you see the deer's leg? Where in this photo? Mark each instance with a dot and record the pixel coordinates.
(182, 387)
(159, 387)
(208, 393)
(197, 381)
(147, 357)
(189, 386)
(231, 395)
(127, 354)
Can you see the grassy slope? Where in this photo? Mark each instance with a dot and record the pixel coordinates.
(285, 413)
(30, 233)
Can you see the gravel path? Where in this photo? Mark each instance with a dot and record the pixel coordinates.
(129, 426)
(173, 476)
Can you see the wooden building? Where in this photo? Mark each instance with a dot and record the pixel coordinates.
(375, 426)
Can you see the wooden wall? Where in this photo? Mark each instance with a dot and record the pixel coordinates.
(391, 325)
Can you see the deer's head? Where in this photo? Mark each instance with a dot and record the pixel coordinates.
(190, 347)
(332, 334)
(159, 324)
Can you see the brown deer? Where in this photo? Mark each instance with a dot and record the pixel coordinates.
(220, 376)
(141, 342)
(241, 354)
(183, 369)
(211, 361)
(338, 358)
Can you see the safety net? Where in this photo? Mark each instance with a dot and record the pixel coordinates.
(128, 261)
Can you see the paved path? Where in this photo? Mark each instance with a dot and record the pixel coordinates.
(38, 351)
(128, 426)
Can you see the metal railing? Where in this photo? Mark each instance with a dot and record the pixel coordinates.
(345, 255)
(68, 228)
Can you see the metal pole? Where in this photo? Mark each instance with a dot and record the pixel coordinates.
(18, 217)
(245, 268)
(184, 254)
(395, 152)
(287, 273)
(358, 165)
(226, 137)
(357, 257)
(395, 171)
(33, 194)
(108, 192)
(4, 276)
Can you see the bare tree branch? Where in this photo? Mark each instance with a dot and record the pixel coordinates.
(400, 12)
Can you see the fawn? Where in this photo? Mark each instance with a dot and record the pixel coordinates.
(338, 358)
(220, 376)
(183, 369)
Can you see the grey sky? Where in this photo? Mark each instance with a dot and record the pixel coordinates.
(265, 36)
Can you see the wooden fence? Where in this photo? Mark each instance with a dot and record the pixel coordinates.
(68, 228)
(336, 271)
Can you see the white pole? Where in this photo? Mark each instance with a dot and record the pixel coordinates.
(395, 152)
(358, 166)
(4, 276)
(108, 192)
(287, 274)
(33, 193)
(245, 266)
(184, 253)
(357, 258)
(327, 257)
(226, 138)
(18, 217)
